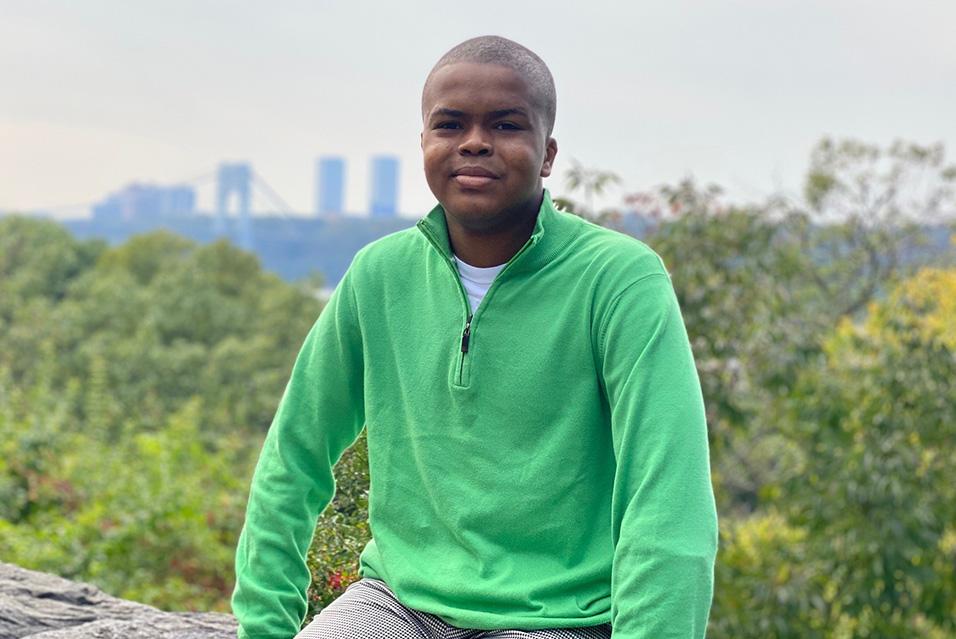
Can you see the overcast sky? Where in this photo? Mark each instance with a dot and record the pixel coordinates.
(95, 94)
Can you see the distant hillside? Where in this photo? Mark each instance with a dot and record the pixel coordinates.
(294, 248)
(290, 247)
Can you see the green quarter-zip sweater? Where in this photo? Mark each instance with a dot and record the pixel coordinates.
(540, 464)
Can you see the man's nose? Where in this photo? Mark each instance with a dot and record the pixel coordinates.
(476, 142)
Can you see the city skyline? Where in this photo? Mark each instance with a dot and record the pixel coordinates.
(233, 189)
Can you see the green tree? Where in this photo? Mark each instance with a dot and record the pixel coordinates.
(859, 538)
(159, 318)
(136, 383)
(39, 258)
(150, 516)
(875, 489)
(869, 201)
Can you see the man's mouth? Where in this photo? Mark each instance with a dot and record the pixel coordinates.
(473, 177)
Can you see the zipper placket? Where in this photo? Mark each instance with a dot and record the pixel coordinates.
(466, 332)
(471, 318)
(465, 338)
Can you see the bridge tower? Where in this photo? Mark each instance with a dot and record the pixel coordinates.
(234, 179)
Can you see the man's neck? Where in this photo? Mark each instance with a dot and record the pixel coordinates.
(484, 248)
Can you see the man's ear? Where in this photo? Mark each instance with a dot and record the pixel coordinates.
(550, 150)
(421, 139)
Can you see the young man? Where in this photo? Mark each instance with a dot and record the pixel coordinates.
(537, 445)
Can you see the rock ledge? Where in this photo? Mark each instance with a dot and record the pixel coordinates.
(42, 606)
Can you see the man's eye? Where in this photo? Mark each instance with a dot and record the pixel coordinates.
(507, 126)
(447, 125)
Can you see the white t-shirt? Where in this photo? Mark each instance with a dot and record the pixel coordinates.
(476, 280)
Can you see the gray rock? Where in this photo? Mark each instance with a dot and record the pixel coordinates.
(42, 606)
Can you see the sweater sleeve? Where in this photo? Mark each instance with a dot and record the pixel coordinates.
(320, 415)
(664, 518)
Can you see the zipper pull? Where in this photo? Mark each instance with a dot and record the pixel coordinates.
(465, 335)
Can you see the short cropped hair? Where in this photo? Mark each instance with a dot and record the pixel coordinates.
(506, 53)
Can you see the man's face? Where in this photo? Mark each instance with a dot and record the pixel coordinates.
(485, 145)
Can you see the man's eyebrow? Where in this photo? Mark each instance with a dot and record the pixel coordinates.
(448, 113)
(501, 113)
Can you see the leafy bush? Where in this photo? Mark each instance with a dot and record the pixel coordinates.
(136, 383)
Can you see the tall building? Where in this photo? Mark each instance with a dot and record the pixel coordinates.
(330, 185)
(146, 201)
(384, 183)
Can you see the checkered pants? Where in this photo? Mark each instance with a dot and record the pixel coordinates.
(368, 609)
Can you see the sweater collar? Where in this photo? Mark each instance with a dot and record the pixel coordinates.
(553, 230)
